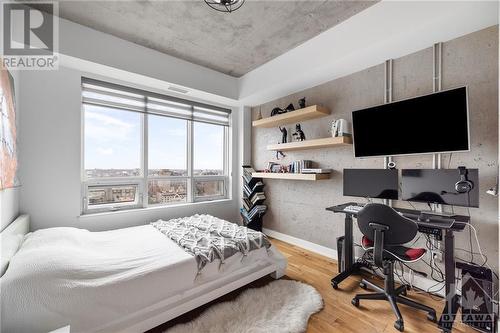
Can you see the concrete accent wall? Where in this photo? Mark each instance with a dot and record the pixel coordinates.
(297, 208)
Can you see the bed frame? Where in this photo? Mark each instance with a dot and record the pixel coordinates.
(181, 303)
(12, 237)
(178, 304)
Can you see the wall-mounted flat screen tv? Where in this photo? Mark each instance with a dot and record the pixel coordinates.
(434, 123)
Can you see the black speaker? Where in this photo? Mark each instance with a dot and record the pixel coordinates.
(477, 297)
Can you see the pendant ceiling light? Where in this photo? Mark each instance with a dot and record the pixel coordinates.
(227, 6)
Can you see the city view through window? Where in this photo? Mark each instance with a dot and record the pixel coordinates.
(113, 140)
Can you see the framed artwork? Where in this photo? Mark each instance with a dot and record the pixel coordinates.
(8, 133)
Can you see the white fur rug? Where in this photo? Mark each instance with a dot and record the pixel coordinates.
(282, 306)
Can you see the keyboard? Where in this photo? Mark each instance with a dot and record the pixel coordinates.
(353, 209)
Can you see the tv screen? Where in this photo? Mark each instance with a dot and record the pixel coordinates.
(438, 186)
(428, 124)
(371, 183)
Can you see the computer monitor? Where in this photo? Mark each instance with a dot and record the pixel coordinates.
(439, 186)
(371, 183)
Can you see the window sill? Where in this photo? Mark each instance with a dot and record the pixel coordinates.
(152, 208)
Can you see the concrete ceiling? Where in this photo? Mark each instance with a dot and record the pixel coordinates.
(233, 43)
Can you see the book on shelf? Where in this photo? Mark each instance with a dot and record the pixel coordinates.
(316, 170)
(253, 197)
(248, 168)
(298, 166)
(247, 174)
(257, 186)
(257, 196)
(253, 213)
(248, 204)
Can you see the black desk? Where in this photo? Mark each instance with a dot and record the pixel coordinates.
(351, 267)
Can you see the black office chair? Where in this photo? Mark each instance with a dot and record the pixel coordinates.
(384, 233)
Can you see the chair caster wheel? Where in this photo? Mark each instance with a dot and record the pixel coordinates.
(432, 317)
(335, 285)
(355, 302)
(399, 325)
(363, 285)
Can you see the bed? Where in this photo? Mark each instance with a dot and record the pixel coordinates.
(125, 280)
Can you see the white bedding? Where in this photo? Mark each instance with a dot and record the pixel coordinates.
(64, 276)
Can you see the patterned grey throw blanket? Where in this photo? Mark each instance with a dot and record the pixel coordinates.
(208, 238)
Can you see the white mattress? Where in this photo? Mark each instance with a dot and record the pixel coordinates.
(88, 280)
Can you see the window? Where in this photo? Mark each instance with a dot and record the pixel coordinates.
(167, 146)
(208, 149)
(143, 149)
(112, 142)
(102, 196)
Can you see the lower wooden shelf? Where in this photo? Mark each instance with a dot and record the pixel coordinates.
(292, 176)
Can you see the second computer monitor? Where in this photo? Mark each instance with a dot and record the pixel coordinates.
(439, 186)
(371, 183)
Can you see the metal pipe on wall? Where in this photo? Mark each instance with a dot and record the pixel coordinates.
(437, 71)
(437, 65)
(387, 99)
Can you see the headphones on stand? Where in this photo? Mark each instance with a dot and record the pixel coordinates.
(464, 185)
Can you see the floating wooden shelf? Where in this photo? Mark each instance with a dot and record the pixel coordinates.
(292, 176)
(308, 113)
(312, 144)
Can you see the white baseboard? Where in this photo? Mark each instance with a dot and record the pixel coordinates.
(316, 248)
(418, 281)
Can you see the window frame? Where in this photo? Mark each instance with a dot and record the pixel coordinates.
(142, 181)
(114, 206)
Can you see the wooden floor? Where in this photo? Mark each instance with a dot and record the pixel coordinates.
(338, 314)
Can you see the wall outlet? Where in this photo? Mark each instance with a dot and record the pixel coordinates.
(437, 256)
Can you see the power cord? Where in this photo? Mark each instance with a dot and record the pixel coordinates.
(432, 264)
(479, 247)
(470, 231)
(468, 261)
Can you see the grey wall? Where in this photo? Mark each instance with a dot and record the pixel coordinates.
(9, 198)
(50, 160)
(297, 208)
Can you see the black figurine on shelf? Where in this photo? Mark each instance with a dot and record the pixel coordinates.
(302, 103)
(284, 134)
(290, 108)
(299, 134)
(276, 111)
